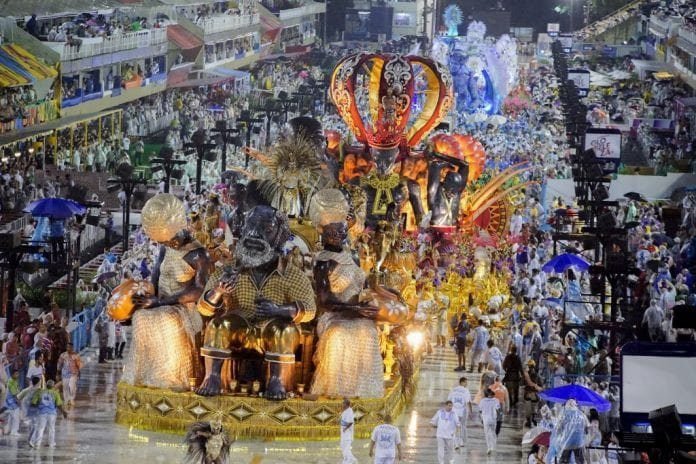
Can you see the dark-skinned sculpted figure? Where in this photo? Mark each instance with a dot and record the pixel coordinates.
(257, 306)
(445, 192)
(165, 325)
(348, 360)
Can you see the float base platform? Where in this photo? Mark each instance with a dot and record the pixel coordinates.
(247, 416)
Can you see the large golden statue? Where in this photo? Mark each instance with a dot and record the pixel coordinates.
(258, 306)
(164, 352)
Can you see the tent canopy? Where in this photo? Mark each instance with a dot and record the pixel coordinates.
(19, 67)
(26, 60)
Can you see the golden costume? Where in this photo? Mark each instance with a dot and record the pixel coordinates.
(348, 356)
(164, 350)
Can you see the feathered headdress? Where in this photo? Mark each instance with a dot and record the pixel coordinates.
(292, 163)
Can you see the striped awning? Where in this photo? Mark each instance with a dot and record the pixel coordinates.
(10, 76)
(270, 24)
(188, 43)
(32, 65)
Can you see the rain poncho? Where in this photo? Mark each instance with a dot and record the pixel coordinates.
(569, 433)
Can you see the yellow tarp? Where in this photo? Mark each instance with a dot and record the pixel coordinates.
(663, 76)
(29, 62)
(9, 78)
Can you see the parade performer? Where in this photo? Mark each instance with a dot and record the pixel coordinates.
(164, 351)
(208, 443)
(258, 306)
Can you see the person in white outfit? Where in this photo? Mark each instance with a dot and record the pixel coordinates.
(347, 432)
(385, 443)
(49, 402)
(488, 408)
(461, 401)
(494, 358)
(121, 340)
(447, 423)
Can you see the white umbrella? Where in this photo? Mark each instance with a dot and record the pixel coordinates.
(497, 120)
(600, 80)
(620, 75)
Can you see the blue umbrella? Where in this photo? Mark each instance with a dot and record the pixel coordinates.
(582, 395)
(554, 301)
(564, 261)
(55, 208)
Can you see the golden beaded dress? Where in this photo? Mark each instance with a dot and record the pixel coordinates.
(164, 350)
(348, 359)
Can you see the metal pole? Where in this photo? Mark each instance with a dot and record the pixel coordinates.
(129, 195)
(11, 290)
(199, 169)
(248, 143)
(124, 226)
(77, 266)
(69, 278)
(268, 129)
(325, 22)
(3, 301)
(223, 161)
(167, 177)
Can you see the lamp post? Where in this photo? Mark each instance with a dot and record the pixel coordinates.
(224, 131)
(10, 261)
(166, 162)
(303, 92)
(246, 119)
(127, 182)
(286, 102)
(198, 146)
(74, 263)
(269, 109)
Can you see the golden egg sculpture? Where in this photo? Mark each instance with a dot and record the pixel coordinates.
(120, 306)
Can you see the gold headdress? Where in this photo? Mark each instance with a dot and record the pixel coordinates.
(291, 165)
(163, 216)
(328, 206)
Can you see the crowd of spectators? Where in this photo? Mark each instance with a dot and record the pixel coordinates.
(87, 26)
(198, 14)
(601, 26)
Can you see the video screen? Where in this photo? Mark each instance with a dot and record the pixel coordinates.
(652, 382)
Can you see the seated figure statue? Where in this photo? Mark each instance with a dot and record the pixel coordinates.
(164, 328)
(348, 358)
(257, 307)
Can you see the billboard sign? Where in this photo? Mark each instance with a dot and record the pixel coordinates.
(566, 42)
(553, 29)
(581, 77)
(606, 144)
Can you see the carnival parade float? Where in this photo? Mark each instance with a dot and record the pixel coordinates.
(321, 275)
(483, 70)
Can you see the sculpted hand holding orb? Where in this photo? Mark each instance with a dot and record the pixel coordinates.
(165, 322)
